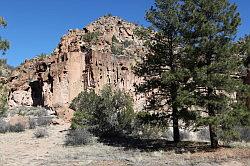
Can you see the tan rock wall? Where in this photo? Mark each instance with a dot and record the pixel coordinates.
(68, 79)
(77, 65)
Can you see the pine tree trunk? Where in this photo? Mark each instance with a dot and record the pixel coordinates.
(176, 132)
(213, 137)
(212, 130)
(247, 81)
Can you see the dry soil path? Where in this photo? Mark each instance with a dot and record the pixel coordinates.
(23, 149)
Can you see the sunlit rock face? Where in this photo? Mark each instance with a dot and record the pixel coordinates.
(102, 53)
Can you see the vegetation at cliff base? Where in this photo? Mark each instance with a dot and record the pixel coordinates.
(3, 99)
(107, 114)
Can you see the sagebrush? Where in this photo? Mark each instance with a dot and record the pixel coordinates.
(41, 133)
(79, 137)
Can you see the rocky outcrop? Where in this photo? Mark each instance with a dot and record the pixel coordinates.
(103, 52)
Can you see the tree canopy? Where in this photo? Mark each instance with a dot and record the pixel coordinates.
(193, 65)
(4, 44)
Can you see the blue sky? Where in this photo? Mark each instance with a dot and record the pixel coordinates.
(36, 26)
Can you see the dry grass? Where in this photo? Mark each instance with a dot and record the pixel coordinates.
(23, 149)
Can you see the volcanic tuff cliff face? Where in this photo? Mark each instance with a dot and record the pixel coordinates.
(99, 54)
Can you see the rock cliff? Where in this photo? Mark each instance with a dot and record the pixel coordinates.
(89, 58)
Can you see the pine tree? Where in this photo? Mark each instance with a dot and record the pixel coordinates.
(162, 69)
(192, 65)
(244, 51)
(208, 32)
(4, 44)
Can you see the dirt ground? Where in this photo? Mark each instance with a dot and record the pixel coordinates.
(23, 149)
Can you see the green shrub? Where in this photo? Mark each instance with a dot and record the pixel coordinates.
(117, 115)
(42, 56)
(114, 39)
(108, 15)
(154, 119)
(32, 123)
(17, 128)
(245, 133)
(116, 49)
(84, 105)
(203, 134)
(110, 113)
(142, 33)
(91, 37)
(5, 69)
(127, 43)
(43, 121)
(41, 133)
(29, 111)
(147, 131)
(3, 99)
(4, 126)
(150, 125)
(79, 137)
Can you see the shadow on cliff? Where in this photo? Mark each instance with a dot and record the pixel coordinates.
(150, 145)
